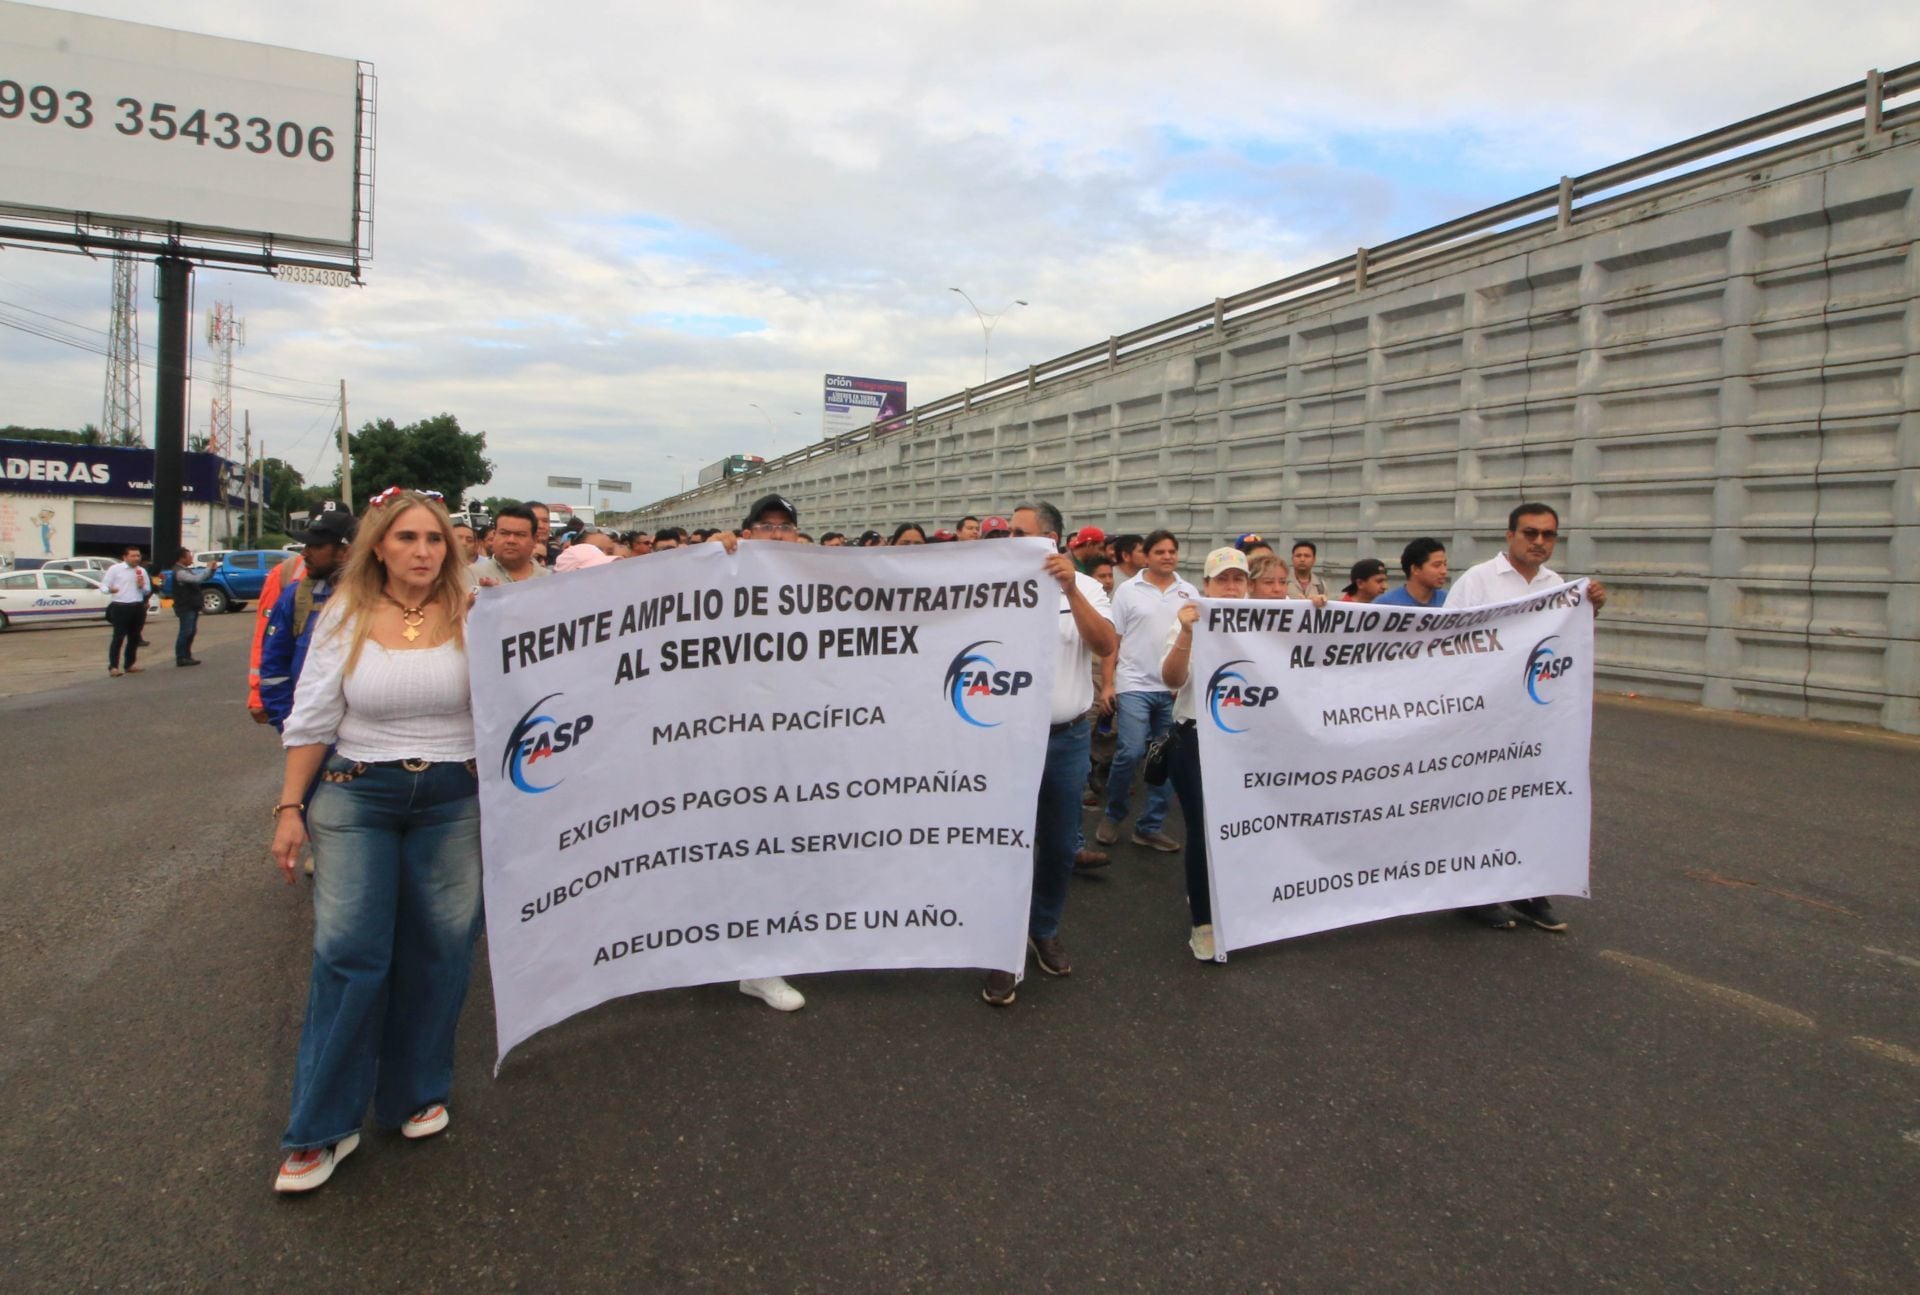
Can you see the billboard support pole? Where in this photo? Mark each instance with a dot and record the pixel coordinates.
(170, 408)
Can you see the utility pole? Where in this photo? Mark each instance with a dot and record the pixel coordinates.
(346, 460)
(246, 480)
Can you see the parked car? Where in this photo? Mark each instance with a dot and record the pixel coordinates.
(98, 578)
(47, 597)
(205, 558)
(237, 580)
(78, 564)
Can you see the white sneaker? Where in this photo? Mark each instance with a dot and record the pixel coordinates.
(1201, 942)
(302, 1171)
(425, 1122)
(775, 993)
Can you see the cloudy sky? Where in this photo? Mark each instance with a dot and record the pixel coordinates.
(606, 232)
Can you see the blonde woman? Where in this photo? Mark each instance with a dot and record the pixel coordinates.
(1267, 576)
(395, 826)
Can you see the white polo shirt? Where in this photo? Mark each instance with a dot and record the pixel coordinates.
(1495, 581)
(1143, 614)
(1073, 671)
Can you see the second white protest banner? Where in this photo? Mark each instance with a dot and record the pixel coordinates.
(1364, 762)
(700, 767)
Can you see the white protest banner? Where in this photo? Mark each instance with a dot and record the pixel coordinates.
(700, 766)
(1361, 762)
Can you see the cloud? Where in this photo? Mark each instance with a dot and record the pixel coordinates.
(605, 232)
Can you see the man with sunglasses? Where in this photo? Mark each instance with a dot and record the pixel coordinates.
(1532, 531)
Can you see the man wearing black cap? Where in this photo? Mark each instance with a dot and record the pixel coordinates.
(772, 517)
(1366, 582)
(277, 580)
(283, 651)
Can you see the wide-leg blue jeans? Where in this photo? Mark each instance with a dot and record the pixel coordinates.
(396, 910)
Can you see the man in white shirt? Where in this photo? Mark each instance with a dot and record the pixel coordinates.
(1144, 611)
(1085, 633)
(1532, 531)
(128, 586)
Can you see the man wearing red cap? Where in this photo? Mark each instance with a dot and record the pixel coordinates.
(1088, 543)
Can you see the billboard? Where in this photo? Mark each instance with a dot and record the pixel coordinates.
(852, 403)
(119, 124)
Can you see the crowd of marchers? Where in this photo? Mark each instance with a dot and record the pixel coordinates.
(359, 661)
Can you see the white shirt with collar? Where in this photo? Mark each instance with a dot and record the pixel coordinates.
(1495, 581)
(1143, 613)
(125, 583)
(1073, 672)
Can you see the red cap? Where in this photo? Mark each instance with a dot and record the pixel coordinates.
(1087, 535)
(993, 524)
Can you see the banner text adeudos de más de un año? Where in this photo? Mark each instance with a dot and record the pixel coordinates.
(1361, 762)
(700, 767)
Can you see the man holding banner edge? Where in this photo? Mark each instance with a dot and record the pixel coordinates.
(1532, 531)
(1085, 632)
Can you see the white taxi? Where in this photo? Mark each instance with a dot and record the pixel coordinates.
(55, 598)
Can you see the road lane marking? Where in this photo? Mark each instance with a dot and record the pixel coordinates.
(1891, 1051)
(1900, 958)
(1747, 1002)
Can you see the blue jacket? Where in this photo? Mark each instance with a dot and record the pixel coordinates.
(283, 650)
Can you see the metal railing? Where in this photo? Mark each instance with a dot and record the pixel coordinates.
(1858, 111)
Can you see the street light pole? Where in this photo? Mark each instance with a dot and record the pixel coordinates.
(772, 430)
(987, 323)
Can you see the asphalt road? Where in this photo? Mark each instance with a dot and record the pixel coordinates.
(1712, 1082)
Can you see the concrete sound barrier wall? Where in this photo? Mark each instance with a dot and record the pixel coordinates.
(1717, 388)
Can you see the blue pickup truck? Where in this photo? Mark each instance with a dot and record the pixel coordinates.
(237, 580)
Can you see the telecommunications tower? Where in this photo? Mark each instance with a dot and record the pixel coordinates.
(120, 408)
(223, 331)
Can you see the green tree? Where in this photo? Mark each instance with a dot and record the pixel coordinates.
(494, 503)
(432, 454)
(286, 488)
(88, 435)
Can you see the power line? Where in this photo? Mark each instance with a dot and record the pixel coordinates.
(198, 362)
(100, 349)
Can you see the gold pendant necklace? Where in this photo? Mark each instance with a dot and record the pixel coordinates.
(412, 617)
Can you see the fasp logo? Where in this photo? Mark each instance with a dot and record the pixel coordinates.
(1544, 665)
(973, 680)
(539, 737)
(1229, 691)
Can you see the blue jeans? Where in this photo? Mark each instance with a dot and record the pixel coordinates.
(1138, 718)
(183, 641)
(396, 909)
(1056, 825)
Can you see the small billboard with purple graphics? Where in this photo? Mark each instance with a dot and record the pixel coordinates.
(853, 403)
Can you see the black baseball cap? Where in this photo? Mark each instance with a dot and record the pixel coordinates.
(766, 504)
(331, 523)
(1364, 569)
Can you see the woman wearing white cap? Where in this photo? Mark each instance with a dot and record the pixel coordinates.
(1226, 577)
